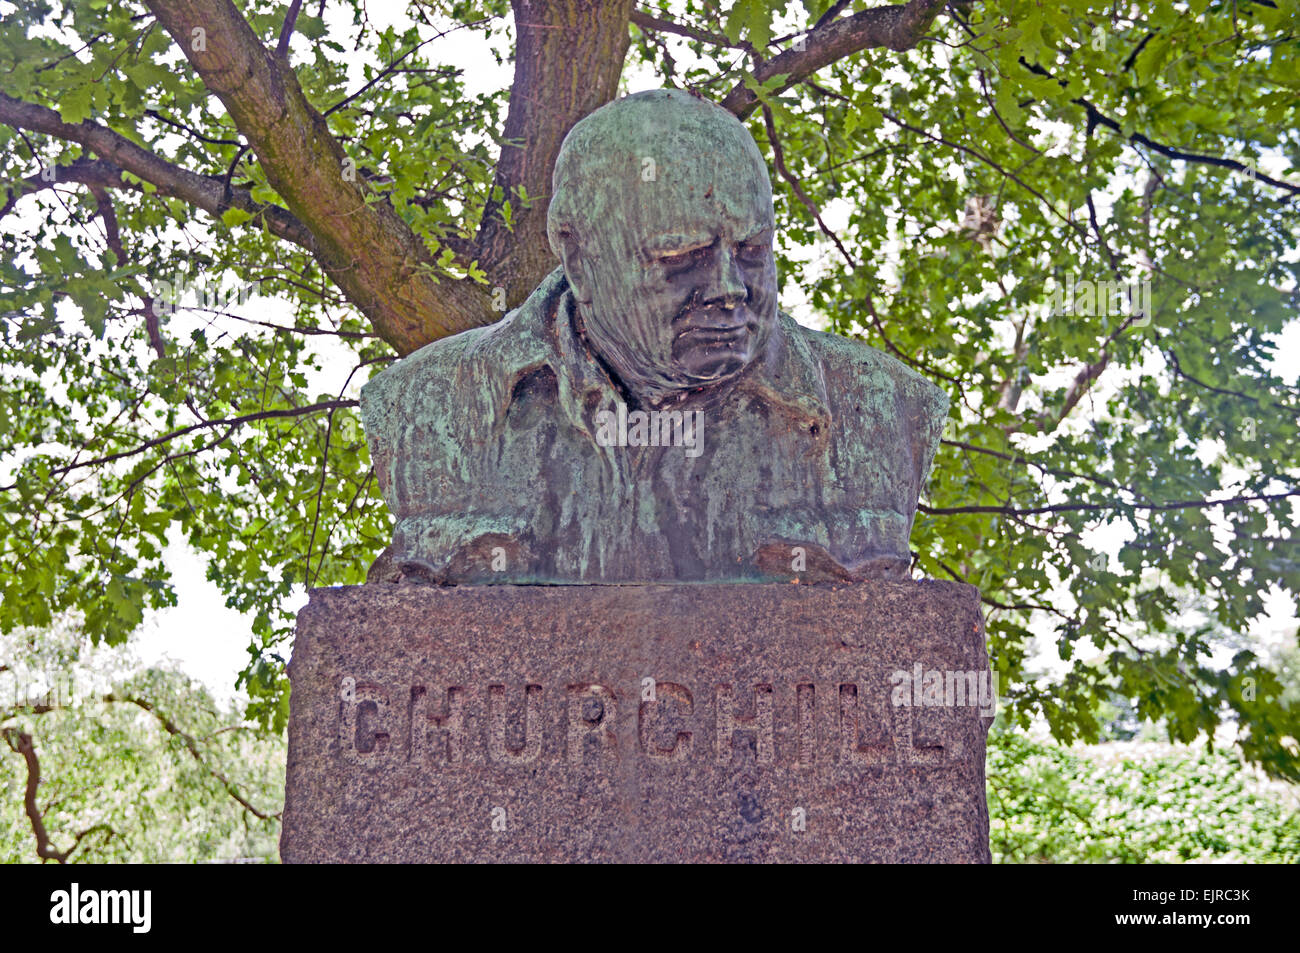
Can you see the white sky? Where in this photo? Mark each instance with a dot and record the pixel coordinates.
(208, 641)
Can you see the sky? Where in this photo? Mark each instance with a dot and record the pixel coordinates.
(208, 641)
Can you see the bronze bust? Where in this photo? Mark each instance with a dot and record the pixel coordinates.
(648, 414)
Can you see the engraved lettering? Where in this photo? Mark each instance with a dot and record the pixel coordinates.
(923, 732)
(805, 704)
(650, 715)
(444, 730)
(425, 721)
(499, 748)
(363, 723)
(592, 713)
(760, 724)
(852, 748)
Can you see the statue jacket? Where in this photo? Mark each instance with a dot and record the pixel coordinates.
(489, 451)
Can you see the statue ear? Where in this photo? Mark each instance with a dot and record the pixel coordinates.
(575, 267)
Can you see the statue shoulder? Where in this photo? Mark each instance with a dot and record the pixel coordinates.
(909, 407)
(466, 376)
(857, 366)
(425, 414)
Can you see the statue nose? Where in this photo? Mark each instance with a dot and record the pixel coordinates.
(726, 282)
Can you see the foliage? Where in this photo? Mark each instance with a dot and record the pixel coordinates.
(1134, 804)
(1022, 148)
(113, 772)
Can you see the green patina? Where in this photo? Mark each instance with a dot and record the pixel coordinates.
(493, 447)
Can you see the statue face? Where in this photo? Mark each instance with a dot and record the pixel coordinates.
(677, 285)
(720, 288)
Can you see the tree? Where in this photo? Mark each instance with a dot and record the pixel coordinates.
(103, 761)
(1078, 218)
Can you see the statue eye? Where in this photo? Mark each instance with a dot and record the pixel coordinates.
(752, 251)
(684, 258)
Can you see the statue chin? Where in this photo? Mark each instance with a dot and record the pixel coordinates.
(695, 380)
(709, 358)
(715, 368)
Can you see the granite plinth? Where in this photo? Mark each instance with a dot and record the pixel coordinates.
(659, 723)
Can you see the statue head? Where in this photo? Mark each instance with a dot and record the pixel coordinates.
(661, 212)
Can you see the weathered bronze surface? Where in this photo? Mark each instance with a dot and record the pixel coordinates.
(648, 414)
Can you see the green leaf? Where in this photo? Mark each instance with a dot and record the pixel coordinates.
(235, 216)
(75, 104)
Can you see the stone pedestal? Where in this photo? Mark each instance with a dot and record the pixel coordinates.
(727, 723)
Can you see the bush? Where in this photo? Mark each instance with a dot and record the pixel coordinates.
(1134, 803)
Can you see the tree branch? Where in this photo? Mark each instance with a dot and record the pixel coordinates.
(1178, 369)
(201, 425)
(382, 266)
(154, 114)
(987, 600)
(1081, 384)
(897, 28)
(574, 50)
(1016, 459)
(123, 155)
(21, 743)
(659, 25)
(192, 747)
(1097, 118)
(113, 236)
(1106, 507)
(778, 159)
(286, 31)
